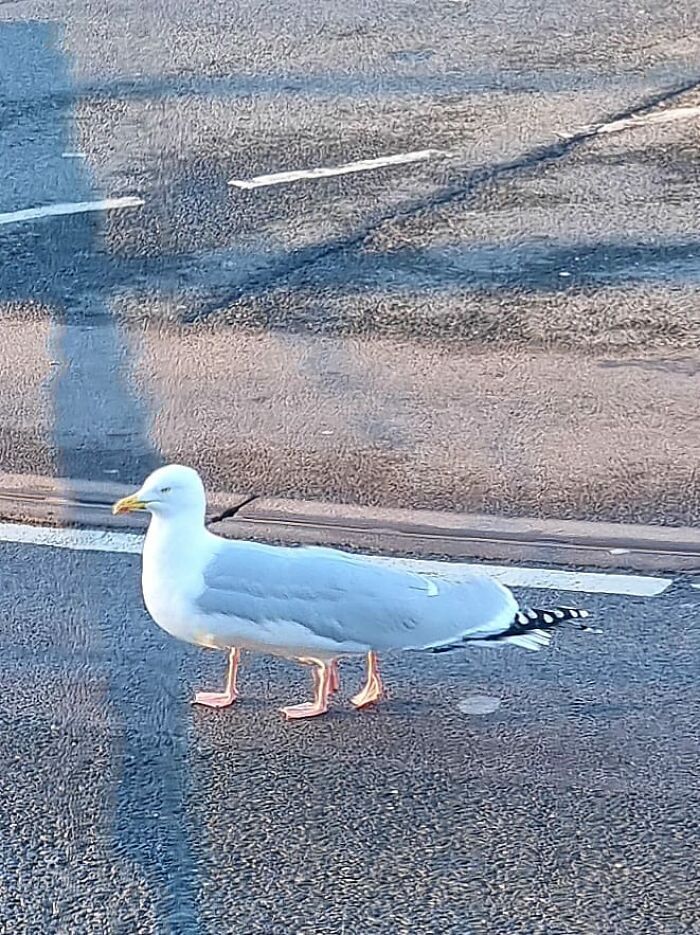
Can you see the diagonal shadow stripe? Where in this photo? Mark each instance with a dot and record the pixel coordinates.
(466, 185)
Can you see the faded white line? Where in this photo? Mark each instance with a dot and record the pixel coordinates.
(670, 115)
(69, 207)
(79, 540)
(74, 155)
(96, 540)
(545, 578)
(324, 172)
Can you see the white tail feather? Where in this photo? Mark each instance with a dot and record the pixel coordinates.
(533, 640)
(531, 629)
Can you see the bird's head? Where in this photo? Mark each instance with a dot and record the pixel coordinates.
(170, 491)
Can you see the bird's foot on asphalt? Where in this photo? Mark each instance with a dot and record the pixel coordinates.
(307, 709)
(370, 694)
(215, 699)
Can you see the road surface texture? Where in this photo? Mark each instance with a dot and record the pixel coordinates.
(509, 325)
(494, 792)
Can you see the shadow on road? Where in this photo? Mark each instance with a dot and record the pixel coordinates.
(92, 400)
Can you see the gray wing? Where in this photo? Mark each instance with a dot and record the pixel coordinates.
(348, 599)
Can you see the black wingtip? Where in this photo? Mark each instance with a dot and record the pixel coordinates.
(524, 622)
(533, 618)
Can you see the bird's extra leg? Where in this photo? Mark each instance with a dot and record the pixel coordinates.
(335, 676)
(323, 675)
(230, 693)
(373, 690)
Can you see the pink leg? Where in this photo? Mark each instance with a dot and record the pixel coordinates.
(373, 689)
(335, 676)
(230, 693)
(322, 687)
(334, 680)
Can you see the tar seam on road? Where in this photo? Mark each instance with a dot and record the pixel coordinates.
(362, 165)
(297, 260)
(69, 207)
(97, 540)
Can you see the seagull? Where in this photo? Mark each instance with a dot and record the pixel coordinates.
(310, 604)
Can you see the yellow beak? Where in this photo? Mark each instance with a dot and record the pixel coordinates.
(128, 505)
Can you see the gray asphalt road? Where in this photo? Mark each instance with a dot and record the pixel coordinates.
(352, 337)
(571, 809)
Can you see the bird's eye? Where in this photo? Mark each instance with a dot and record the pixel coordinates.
(165, 489)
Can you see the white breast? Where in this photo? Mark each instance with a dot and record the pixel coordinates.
(172, 575)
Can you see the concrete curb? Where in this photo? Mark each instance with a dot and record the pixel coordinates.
(424, 533)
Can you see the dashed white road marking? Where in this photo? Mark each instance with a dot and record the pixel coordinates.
(69, 155)
(670, 115)
(69, 207)
(324, 172)
(97, 540)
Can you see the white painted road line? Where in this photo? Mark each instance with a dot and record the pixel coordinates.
(670, 115)
(546, 578)
(588, 582)
(69, 207)
(364, 165)
(79, 540)
(96, 540)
